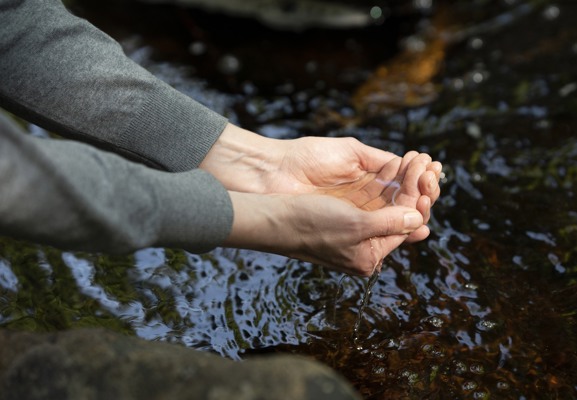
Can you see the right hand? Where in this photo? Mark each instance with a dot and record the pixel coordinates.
(321, 229)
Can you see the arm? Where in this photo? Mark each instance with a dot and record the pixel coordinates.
(73, 196)
(76, 197)
(64, 74)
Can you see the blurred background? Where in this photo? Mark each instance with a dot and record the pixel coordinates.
(484, 308)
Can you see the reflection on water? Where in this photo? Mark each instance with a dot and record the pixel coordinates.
(485, 308)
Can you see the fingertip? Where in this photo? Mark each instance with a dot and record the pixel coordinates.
(419, 235)
(412, 220)
(437, 168)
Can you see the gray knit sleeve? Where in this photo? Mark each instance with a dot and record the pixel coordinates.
(73, 196)
(64, 74)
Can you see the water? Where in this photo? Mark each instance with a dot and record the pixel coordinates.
(365, 301)
(485, 308)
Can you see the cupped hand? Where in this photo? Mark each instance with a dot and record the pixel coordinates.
(321, 229)
(411, 181)
(366, 177)
(246, 162)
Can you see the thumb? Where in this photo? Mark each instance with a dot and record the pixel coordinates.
(395, 220)
(374, 159)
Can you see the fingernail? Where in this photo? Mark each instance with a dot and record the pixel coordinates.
(412, 221)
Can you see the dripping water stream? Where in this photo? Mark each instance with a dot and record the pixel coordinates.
(366, 296)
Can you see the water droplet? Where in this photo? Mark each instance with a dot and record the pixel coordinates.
(197, 48)
(476, 43)
(568, 89)
(423, 4)
(434, 350)
(457, 84)
(477, 77)
(551, 12)
(379, 370)
(436, 322)
(228, 64)
(480, 395)
(483, 226)
(477, 369)
(474, 130)
(249, 88)
(460, 367)
(376, 12)
(311, 67)
(486, 325)
(414, 44)
(410, 376)
(469, 385)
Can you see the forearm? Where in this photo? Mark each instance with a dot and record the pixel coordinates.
(62, 73)
(76, 197)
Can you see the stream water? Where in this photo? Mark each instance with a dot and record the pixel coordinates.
(484, 308)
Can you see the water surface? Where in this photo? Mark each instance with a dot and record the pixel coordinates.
(485, 308)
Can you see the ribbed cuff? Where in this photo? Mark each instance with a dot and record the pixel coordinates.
(173, 131)
(196, 211)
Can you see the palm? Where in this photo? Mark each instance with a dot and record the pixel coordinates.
(411, 181)
(346, 170)
(326, 165)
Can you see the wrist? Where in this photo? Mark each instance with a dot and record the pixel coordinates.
(258, 222)
(242, 160)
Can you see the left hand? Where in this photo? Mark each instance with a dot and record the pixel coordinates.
(246, 162)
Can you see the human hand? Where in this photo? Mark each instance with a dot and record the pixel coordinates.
(320, 229)
(342, 167)
(411, 181)
(246, 162)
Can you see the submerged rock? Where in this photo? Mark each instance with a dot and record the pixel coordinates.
(293, 15)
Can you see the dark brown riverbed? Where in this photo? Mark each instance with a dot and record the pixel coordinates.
(485, 308)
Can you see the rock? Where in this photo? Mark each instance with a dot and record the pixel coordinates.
(99, 364)
(293, 15)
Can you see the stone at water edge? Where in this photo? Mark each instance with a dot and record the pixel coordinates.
(295, 15)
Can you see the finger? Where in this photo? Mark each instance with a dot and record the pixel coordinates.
(390, 179)
(368, 192)
(380, 190)
(436, 167)
(410, 190)
(424, 207)
(372, 159)
(420, 234)
(394, 220)
(406, 161)
(429, 185)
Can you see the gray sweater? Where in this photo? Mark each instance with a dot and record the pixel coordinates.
(60, 72)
